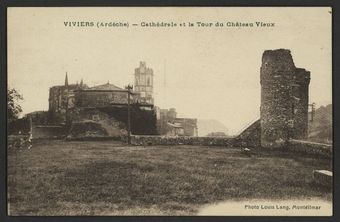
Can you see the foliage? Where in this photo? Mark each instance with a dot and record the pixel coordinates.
(13, 106)
(55, 118)
(321, 128)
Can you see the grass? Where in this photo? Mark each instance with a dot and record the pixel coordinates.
(108, 178)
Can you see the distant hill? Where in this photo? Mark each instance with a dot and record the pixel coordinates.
(206, 126)
(320, 129)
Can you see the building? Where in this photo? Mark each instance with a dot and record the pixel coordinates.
(165, 116)
(169, 124)
(189, 126)
(103, 96)
(175, 129)
(102, 110)
(144, 83)
(105, 107)
(284, 99)
(62, 98)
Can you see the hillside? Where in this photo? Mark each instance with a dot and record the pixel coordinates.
(206, 126)
(321, 128)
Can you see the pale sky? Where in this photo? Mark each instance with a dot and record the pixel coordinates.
(211, 73)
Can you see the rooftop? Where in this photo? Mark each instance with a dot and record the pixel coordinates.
(106, 86)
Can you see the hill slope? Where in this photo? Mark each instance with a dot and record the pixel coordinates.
(321, 128)
(206, 126)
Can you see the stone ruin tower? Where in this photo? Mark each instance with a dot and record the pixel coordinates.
(284, 99)
(144, 83)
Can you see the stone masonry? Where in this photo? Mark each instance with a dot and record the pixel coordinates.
(284, 99)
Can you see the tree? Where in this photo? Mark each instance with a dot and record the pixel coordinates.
(13, 107)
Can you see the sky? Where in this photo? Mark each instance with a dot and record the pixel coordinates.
(203, 72)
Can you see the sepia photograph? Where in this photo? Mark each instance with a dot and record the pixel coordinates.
(169, 111)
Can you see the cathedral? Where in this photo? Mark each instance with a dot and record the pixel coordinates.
(62, 98)
(105, 107)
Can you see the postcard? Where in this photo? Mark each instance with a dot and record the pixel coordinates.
(221, 111)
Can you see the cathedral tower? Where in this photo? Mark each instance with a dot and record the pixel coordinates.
(144, 83)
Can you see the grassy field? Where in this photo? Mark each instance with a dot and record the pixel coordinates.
(106, 178)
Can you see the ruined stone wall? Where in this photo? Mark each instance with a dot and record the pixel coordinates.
(48, 132)
(284, 99)
(251, 136)
(183, 140)
(300, 94)
(320, 149)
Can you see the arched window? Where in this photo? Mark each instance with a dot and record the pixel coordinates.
(148, 82)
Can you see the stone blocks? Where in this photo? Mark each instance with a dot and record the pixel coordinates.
(284, 99)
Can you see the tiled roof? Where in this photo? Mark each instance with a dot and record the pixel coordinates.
(106, 86)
